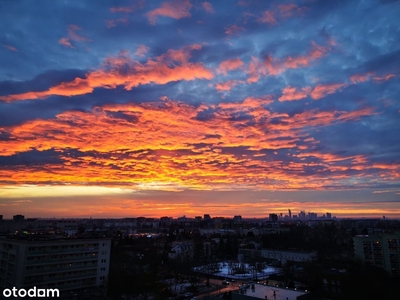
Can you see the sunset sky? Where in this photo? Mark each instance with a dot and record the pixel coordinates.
(171, 108)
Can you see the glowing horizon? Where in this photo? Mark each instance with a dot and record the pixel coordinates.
(101, 202)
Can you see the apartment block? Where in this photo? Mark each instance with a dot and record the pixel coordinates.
(66, 264)
(381, 250)
(278, 255)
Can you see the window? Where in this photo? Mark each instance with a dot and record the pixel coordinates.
(103, 261)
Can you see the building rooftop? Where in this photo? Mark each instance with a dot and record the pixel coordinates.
(49, 239)
(262, 291)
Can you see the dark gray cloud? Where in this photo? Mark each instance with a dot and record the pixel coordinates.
(32, 158)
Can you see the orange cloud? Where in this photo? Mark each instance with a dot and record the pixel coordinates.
(65, 42)
(208, 7)
(302, 61)
(163, 146)
(73, 35)
(274, 66)
(385, 78)
(290, 94)
(141, 50)
(356, 78)
(233, 30)
(11, 48)
(173, 9)
(229, 65)
(72, 32)
(321, 90)
(171, 66)
(357, 114)
(181, 55)
(139, 4)
(227, 85)
(113, 23)
(280, 12)
(267, 17)
(287, 10)
(167, 127)
(319, 118)
(267, 67)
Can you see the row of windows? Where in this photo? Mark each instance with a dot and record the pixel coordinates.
(7, 246)
(83, 282)
(59, 266)
(79, 246)
(62, 257)
(60, 274)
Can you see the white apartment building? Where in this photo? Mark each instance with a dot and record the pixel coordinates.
(284, 256)
(181, 249)
(66, 264)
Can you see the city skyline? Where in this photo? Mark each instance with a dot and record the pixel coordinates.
(206, 216)
(153, 108)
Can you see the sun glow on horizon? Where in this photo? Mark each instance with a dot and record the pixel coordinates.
(65, 190)
(155, 200)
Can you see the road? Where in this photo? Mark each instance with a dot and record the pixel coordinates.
(233, 286)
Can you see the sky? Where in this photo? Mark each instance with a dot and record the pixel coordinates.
(168, 108)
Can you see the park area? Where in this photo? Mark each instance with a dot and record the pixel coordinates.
(238, 271)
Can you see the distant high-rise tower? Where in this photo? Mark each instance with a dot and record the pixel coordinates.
(328, 215)
(290, 213)
(237, 219)
(207, 217)
(18, 218)
(273, 217)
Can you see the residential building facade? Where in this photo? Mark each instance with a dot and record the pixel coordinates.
(66, 264)
(381, 250)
